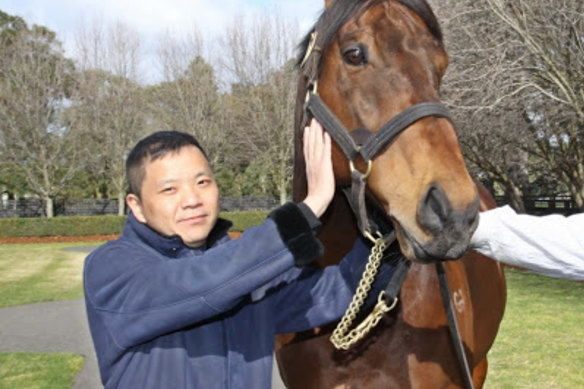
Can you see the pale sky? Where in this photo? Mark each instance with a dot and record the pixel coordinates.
(152, 18)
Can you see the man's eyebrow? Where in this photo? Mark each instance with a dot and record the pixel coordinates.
(204, 172)
(166, 181)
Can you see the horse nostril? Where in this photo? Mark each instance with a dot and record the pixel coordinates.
(434, 210)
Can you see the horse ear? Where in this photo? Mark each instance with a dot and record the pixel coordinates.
(327, 3)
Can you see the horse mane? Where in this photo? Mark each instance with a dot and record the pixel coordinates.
(340, 11)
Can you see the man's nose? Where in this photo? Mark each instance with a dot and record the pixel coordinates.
(191, 197)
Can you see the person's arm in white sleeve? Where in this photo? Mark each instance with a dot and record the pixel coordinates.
(550, 245)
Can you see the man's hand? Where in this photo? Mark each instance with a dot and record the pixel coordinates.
(319, 168)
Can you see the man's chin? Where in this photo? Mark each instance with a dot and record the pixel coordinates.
(195, 234)
(193, 241)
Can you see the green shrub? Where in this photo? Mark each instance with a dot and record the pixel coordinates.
(61, 226)
(99, 225)
(245, 219)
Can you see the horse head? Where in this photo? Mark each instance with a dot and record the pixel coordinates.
(369, 61)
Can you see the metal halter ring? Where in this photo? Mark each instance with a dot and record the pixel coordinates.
(383, 297)
(312, 90)
(367, 173)
(369, 235)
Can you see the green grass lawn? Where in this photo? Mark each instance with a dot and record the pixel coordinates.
(31, 273)
(540, 342)
(35, 273)
(38, 371)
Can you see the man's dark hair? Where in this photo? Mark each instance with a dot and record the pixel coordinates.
(155, 146)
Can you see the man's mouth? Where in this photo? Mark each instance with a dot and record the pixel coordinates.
(193, 219)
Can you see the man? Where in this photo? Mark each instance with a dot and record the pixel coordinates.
(549, 245)
(174, 303)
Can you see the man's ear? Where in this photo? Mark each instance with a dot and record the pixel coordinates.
(135, 206)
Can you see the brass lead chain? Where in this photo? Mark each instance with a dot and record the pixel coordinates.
(341, 337)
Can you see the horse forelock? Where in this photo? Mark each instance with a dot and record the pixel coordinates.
(331, 20)
(424, 11)
(341, 11)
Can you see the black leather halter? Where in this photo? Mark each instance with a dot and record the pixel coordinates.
(376, 141)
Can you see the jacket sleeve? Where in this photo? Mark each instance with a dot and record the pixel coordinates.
(549, 245)
(141, 296)
(318, 297)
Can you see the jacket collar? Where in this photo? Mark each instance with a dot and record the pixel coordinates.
(172, 246)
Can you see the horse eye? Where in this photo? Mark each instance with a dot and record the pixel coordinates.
(355, 55)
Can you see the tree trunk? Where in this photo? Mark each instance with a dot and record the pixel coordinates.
(578, 197)
(49, 208)
(283, 192)
(121, 203)
(516, 199)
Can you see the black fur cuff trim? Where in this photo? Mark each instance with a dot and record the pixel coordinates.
(297, 234)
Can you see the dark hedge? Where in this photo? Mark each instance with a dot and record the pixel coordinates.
(100, 225)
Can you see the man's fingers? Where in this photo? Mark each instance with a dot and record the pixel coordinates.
(305, 141)
(314, 140)
(319, 172)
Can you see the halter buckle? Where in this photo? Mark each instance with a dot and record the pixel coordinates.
(369, 235)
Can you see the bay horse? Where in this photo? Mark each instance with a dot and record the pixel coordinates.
(370, 65)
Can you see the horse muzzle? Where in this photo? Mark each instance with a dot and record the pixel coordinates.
(447, 230)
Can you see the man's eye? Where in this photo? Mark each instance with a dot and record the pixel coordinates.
(168, 190)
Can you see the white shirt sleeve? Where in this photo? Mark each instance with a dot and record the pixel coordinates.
(549, 245)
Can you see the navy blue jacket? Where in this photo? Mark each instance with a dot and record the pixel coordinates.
(163, 315)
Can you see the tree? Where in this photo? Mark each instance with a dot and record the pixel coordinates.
(517, 77)
(551, 36)
(257, 56)
(187, 99)
(108, 113)
(34, 78)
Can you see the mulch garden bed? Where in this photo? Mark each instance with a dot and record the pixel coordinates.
(57, 239)
(66, 239)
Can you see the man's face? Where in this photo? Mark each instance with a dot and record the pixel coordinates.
(179, 196)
